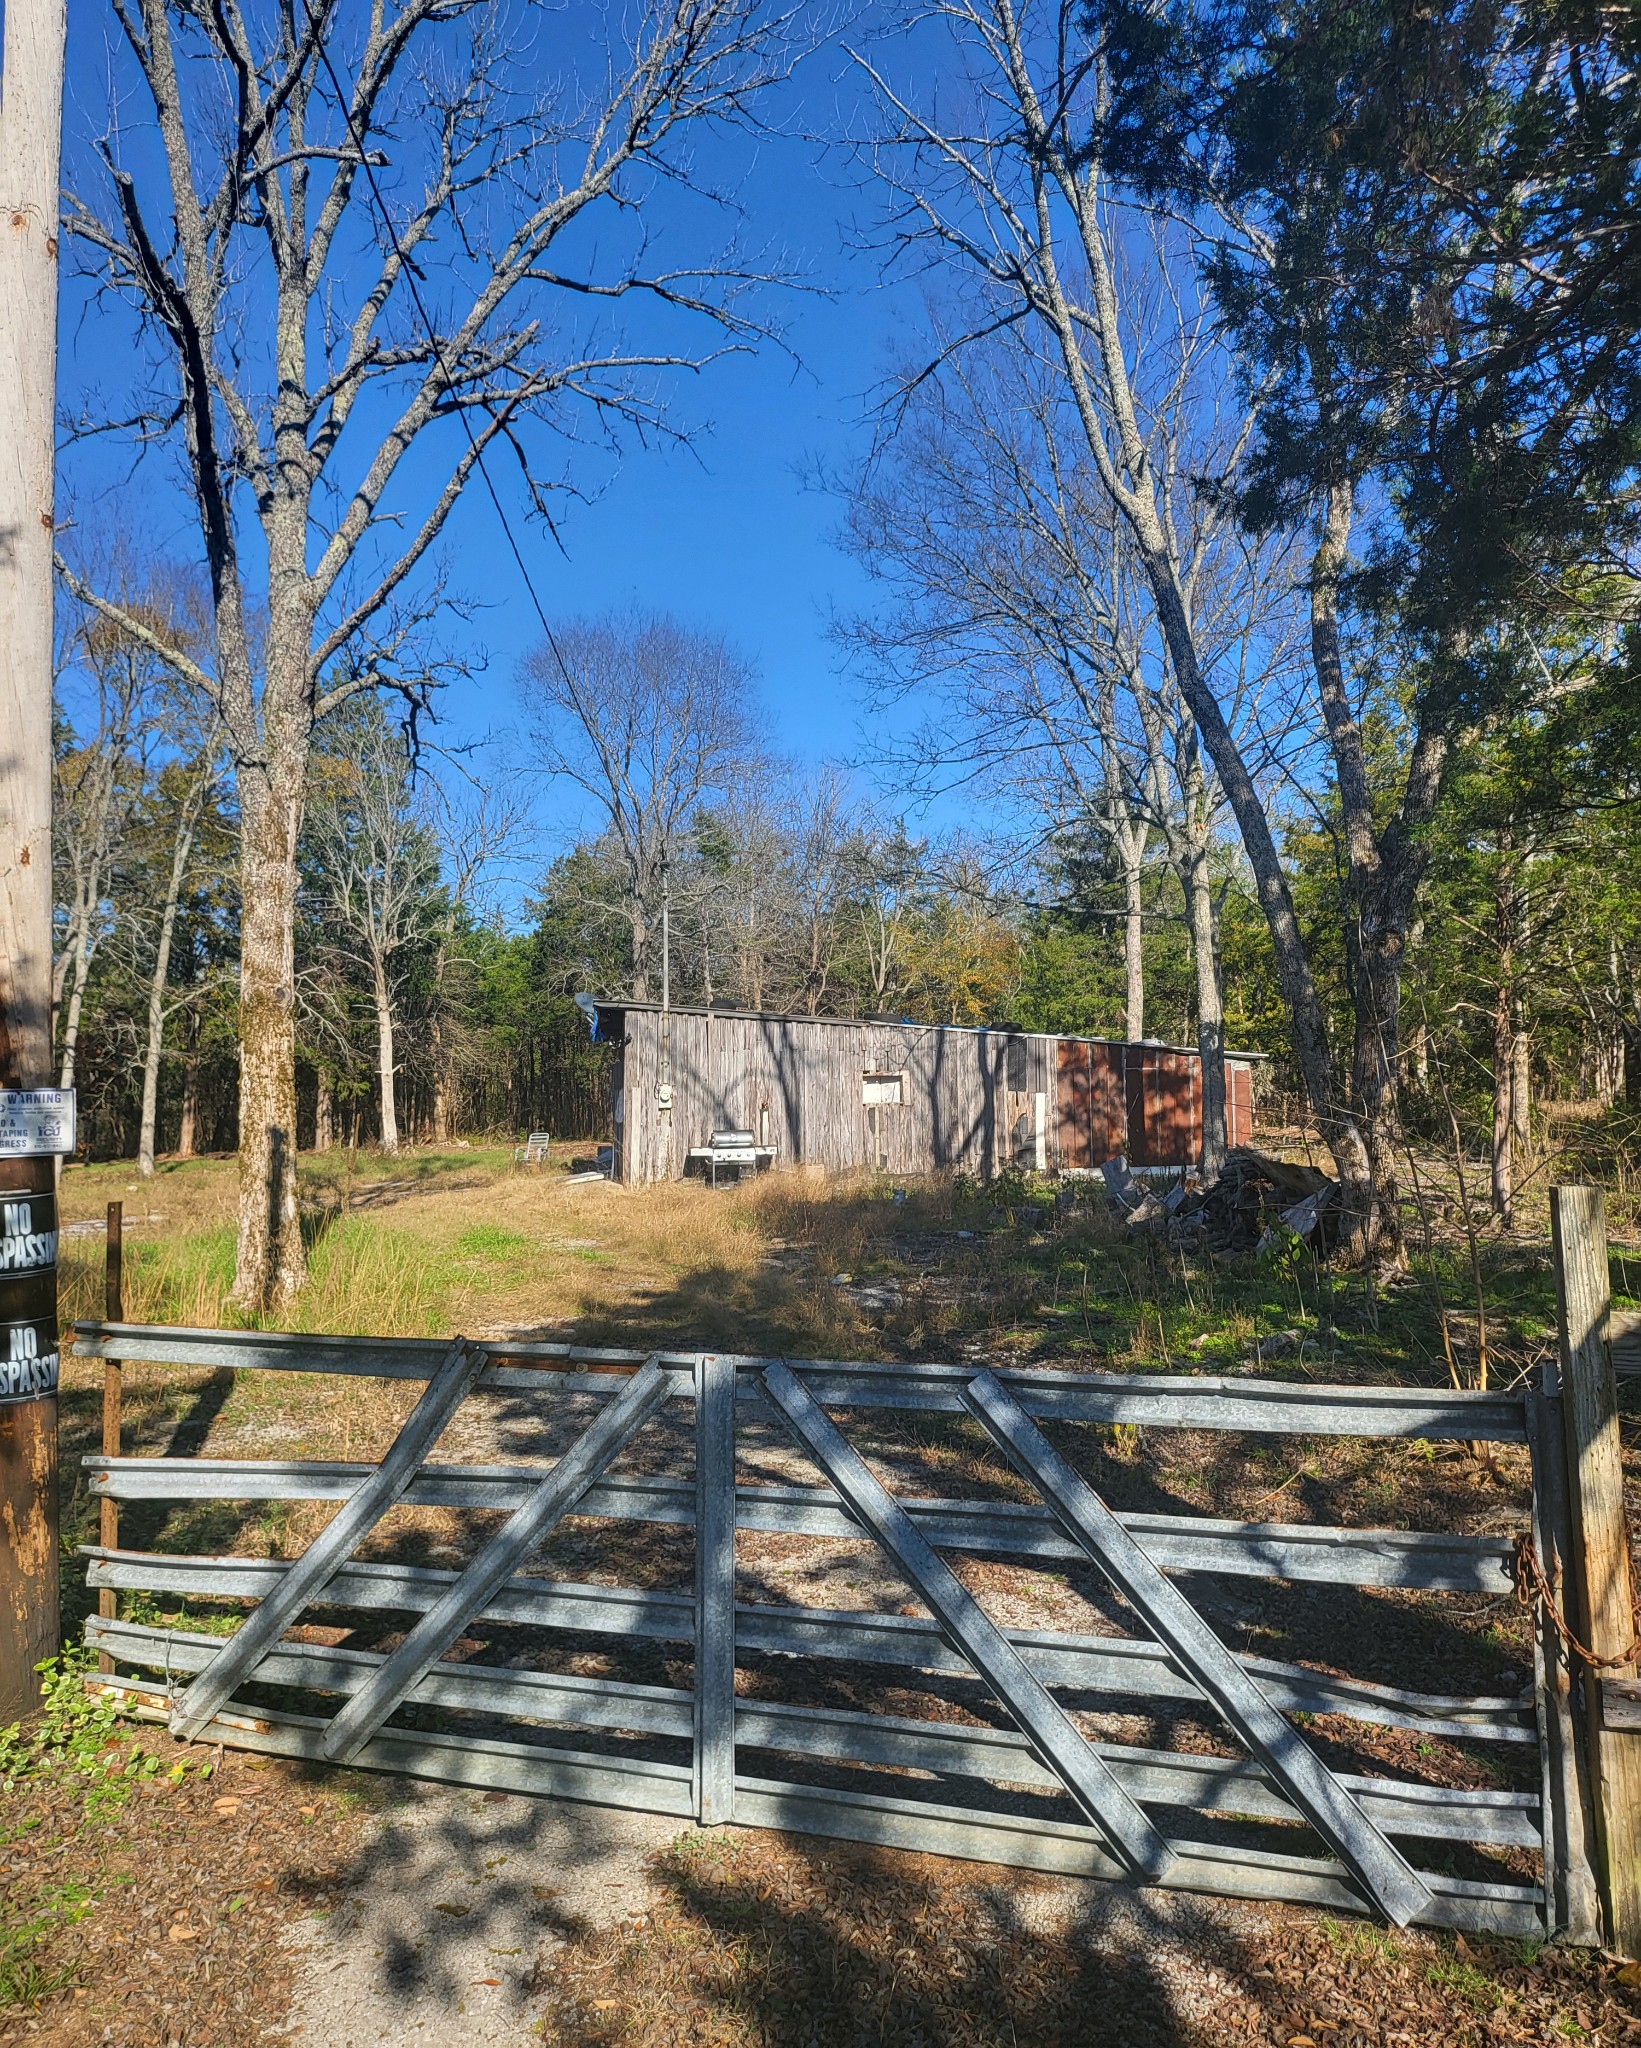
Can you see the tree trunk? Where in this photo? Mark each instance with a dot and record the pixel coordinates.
(1136, 499)
(1133, 942)
(1210, 1014)
(640, 954)
(1504, 1191)
(1506, 922)
(1374, 948)
(1307, 1019)
(156, 1001)
(384, 1059)
(324, 1111)
(441, 1083)
(1521, 1079)
(1385, 869)
(272, 1261)
(188, 1128)
(76, 1002)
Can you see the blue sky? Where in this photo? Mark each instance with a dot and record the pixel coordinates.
(731, 532)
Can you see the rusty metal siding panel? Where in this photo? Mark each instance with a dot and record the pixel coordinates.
(1073, 1090)
(1188, 1108)
(1134, 1089)
(1178, 1131)
(1107, 1114)
(1093, 1115)
(1239, 1097)
(1162, 1107)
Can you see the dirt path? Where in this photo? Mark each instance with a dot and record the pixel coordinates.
(445, 1930)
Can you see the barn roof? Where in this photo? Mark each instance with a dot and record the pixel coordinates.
(622, 1005)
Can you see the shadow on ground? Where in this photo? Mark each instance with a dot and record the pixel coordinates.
(777, 1942)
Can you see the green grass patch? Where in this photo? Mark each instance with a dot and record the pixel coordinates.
(25, 1975)
(494, 1242)
(363, 1275)
(1462, 1982)
(148, 1612)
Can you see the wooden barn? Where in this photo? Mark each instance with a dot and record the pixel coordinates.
(841, 1093)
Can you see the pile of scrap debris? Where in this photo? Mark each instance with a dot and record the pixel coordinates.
(1252, 1203)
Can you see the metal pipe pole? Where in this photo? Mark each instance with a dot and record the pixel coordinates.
(31, 113)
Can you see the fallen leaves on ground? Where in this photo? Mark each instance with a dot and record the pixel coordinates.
(190, 1895)
(771, 1941)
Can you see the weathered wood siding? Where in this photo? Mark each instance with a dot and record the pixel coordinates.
(969, 1101)
(798, 1083)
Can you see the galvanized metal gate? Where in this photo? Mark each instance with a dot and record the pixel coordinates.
(1157, 1815)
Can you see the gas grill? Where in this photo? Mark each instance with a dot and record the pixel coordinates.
(726, 1150)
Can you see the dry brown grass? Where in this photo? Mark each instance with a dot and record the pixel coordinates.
(427, 1244)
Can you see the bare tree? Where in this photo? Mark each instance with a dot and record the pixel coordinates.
(378, 870)
(98, 777)
(1003, 177)
(822, 826)
(191, 785)
(479, 820)
(884, 876)
(280, 282)
(649, 720)
(1021, 604)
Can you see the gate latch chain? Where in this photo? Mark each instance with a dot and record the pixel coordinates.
(1533, 1587)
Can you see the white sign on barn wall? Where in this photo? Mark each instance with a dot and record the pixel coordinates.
(35, 1121)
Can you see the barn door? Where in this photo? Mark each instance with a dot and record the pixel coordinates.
(1331, 1808)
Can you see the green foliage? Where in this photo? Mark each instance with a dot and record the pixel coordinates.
(29, 1926)
(74, 1725)
(81, 1733)
(1410, 169)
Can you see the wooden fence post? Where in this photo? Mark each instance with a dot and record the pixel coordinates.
(108, 1513)
(714, 1591)
(1605, 1611)
(1572, 1896)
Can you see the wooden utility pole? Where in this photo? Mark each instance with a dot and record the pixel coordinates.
(1604, 1614)
(31, 102)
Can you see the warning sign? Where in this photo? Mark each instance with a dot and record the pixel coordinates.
(35, 1121)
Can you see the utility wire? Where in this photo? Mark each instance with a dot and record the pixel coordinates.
(409, 273)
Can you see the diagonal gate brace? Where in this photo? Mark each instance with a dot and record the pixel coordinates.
(1384, 1873)
(578, 1469)
(335, 1544)
(1132, 1838)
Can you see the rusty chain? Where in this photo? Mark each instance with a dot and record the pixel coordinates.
(1533, 1587)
